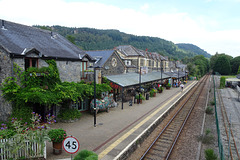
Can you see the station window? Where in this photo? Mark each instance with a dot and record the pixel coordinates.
(31, 62)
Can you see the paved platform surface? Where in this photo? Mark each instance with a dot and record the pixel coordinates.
(116, 129)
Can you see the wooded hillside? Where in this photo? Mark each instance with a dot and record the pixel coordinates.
(193, 48)
(96, 39)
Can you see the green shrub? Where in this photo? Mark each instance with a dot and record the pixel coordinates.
(24, 113)
(160, 88)
(6, 133)
(209, 110)
(210, 155)
(141, 97)
(152, 91)
(86, 155)
(212, 102)
(57, 135)
(169, 85)
(222, 82)
(207, 138)
(69, 114)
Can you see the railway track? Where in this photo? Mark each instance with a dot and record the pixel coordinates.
(232, 147)
(163, 145)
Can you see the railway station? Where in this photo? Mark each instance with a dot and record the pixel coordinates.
(118, 132)
(124, 81)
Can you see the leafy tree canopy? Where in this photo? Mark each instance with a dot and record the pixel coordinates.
(197, 66)
(222, 65)
(235, 63)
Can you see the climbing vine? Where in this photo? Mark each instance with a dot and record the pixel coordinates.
(43, 86)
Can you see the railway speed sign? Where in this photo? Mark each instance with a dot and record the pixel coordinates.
(70, 145)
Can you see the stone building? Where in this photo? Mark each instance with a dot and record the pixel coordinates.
(30, 47)
(108, 61)
(136, 58)
(131, 57)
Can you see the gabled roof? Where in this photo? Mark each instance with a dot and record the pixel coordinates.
(101, 57)
(128, 50)
(163, 58)
(17, 39)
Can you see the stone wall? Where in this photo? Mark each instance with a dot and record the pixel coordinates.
(69, 70)
(5, 71)
(108, 69)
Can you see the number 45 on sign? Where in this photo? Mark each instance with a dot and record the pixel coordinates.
(70, 145)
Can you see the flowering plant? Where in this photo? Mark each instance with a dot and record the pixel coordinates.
(160, 88)
(57, 135)
(22, 132)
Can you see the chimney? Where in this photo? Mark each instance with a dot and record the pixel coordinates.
(52, 35)
(3, 25)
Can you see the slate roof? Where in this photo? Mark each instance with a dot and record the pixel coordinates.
(129, 50)
(100, 56)
(132, 79)
(17, 39)
(238, 76)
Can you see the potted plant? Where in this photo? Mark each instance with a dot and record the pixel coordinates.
(168, 86)
(153, 92)
(57, 136)
(139, 100)
(160, 89)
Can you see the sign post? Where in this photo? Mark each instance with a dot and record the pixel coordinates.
(70, 145)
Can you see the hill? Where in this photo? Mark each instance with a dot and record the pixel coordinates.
(97, 39)
(194, 49)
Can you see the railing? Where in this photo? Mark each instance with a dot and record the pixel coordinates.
(220, 145)
(30, 150)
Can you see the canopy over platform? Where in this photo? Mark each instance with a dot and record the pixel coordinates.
(132, 79)
(176, 74)
(233, 80)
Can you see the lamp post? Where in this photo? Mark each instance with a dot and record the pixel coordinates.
(185, 74)
(95, 119)
(178, 76)
(161, 69)
(139, 85)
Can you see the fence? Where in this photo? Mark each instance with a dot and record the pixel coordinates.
(238, 90)
(30, 150)
(220, 146)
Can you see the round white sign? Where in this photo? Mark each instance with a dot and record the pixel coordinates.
(70, 145)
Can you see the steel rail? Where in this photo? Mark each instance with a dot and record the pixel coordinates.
(194, 103)
(170, 121)
(227, 126)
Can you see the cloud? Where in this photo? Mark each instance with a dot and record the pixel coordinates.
(176, 27)
(145, 7)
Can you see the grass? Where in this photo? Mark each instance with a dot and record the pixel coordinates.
(207, 138)
(209, 110)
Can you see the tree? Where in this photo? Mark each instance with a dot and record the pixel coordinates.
(214, 58)
(222, 65)
(235, 63)
(198, 65)
(238, 70)
(71, 39)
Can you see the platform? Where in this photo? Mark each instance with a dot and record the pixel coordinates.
(117, 130)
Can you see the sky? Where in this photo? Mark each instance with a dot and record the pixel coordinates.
(212, 25)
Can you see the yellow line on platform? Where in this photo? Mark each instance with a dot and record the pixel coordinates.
(118, 141)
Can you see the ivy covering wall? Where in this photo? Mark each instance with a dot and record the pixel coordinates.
(43, 86)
